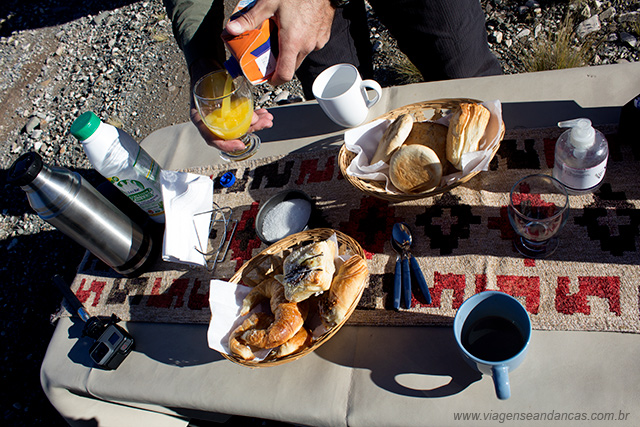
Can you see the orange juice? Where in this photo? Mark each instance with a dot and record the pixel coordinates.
(235, 122)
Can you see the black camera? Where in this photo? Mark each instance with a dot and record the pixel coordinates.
(112, 344)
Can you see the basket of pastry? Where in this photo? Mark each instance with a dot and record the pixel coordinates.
(289, 299)
(423, 149)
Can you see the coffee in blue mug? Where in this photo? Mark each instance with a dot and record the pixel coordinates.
(493, 330)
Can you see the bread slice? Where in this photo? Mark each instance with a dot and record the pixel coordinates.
(415, 168)
(466, 129)
(392, 138)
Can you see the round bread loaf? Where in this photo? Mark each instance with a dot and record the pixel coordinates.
(415, 168)
(392, 138)
(431, 134)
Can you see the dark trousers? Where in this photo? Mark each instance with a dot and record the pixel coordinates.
(444, 39)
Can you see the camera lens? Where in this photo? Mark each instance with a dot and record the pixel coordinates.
(99, 353)
(94, 328)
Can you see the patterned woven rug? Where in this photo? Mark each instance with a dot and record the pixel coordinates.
(462, 240)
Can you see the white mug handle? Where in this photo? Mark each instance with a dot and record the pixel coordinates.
(374, 85)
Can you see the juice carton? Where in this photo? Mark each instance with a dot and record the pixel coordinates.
(251, 52)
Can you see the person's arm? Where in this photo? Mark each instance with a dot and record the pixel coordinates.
(197, 25)
(303, 26)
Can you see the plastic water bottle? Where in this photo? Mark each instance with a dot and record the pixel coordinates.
(119, 158)
(581, 157)
(72, 205)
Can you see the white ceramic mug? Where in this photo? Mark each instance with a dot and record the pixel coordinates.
(342, 94)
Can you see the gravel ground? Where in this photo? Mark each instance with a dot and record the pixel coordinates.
(118, 58)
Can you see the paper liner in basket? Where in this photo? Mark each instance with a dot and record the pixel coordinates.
(364, 140)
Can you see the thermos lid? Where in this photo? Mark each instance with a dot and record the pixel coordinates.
(85, 125)
(25, 169)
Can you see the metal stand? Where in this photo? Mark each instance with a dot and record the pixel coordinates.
(220, 221)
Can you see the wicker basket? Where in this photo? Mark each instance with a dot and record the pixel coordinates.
(421, 111)
(269, 262)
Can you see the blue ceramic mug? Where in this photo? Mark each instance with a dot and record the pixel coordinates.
(493, 331)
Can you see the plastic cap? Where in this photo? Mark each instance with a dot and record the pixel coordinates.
(25, 169)
(228, 179)
(85, 125)
(582, 134)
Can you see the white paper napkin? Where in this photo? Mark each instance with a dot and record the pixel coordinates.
(188, 201)
(363, 141)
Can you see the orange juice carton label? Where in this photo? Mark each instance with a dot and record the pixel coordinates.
(251, 52)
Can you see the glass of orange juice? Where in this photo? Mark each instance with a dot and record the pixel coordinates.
(226, 107)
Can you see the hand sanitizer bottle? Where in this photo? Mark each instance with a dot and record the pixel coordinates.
(581, 157)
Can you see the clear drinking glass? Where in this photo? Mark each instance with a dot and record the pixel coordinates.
(226, 107)
(538, 209)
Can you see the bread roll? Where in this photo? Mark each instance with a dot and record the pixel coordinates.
(415, 168)
(392, 138)
(345, 288)
(466, 129)
(308, 270)
(431, 134)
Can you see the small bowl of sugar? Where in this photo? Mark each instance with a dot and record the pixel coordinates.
(286, 213)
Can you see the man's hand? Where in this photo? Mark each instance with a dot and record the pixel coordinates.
(303, 26)
(262, 119)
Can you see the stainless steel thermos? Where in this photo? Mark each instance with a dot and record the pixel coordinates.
(72, 205)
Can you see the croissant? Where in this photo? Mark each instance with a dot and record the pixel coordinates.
(299, 341)
(289, 317)
(308, 270)
(238, 347)
(345, 288)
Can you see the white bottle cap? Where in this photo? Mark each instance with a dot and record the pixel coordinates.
(582, 134)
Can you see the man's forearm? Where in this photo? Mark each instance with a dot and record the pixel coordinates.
(197, 25)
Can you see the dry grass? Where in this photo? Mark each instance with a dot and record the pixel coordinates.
(406, 72)
(560, 49)
(635, 27)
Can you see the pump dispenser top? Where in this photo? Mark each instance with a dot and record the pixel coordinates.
(582, 135)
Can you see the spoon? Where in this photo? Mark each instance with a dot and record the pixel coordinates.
(401, 278)
(402, 236)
